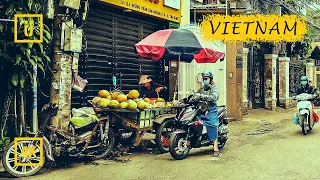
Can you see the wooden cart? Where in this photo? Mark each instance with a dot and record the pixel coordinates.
(136, 121)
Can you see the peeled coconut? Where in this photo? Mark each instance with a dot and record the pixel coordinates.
(142, 104)
(114, 104)
(103, 93)
(147, 100)
(121, 98)
(96, 100)
(104, 102)
(160, 100)
(132, 105)
(114, 95)
(124, 105)
(133, 94)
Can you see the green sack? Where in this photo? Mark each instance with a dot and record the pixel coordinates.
(81, 121)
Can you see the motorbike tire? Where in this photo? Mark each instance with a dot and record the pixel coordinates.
(304, 126)
(9, 168)
(174, 140)
(109, 148)
(309, 125)
(128, 142)
(159, 131)
(221, 143)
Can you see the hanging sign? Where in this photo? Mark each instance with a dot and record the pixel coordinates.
(169, 10)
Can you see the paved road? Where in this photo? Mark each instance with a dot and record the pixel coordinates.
(266, 145)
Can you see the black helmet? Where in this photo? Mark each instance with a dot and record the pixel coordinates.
(304, 80)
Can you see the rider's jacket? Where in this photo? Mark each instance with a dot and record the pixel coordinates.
(209, 93)
(307, 89)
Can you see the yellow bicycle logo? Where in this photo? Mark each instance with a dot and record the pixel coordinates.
(28, 29)
(28, 151)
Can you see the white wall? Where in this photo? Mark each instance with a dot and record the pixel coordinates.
(188, 72)
(188, 78)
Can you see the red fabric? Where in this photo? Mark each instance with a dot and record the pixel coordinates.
(315, 116)
(207, 55)
(153, 46)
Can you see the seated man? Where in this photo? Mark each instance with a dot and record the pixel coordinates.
(150, 89)
(307, 88)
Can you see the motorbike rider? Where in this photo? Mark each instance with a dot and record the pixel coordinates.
(210, 93)
(306, 87)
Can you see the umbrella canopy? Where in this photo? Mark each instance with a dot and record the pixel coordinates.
(179, 43)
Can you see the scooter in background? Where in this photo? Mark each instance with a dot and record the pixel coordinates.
(305, 117)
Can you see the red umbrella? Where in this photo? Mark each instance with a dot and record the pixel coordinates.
(176, 43)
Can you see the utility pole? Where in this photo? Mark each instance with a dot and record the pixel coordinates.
(60, 92)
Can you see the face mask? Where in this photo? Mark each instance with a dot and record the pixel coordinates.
(206, 82)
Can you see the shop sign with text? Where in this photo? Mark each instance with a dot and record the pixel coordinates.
(164, 9)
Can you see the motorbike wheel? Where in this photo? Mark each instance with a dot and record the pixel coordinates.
(163, 137)
(21, 171)
(309, 125)
(221, 143)
(304, 125)
(177, 147)
(108, 149)
(129, 141)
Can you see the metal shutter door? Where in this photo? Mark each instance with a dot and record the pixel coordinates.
(111, 37)
(98, 67)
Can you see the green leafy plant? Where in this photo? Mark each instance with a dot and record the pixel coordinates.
(20, 58)
(17, 60)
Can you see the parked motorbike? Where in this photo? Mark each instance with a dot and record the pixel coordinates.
(305, 109)
(94, 141)
(191, 132)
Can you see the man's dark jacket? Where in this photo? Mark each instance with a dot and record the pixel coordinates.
(151, 93)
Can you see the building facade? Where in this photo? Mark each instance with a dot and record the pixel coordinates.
(111, 31)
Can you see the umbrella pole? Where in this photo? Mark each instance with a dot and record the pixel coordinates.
(178, 66)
